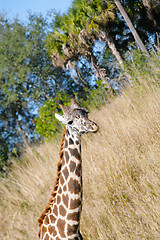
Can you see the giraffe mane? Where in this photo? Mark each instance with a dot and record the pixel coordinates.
(53, 194)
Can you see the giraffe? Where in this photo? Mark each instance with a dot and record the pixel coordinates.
(61, 217)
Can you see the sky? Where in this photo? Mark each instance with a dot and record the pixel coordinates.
(20, 8)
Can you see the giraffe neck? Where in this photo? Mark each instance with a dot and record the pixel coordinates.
(69, 192)
(63, 219)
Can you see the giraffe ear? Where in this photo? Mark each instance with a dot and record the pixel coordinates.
(60, 118)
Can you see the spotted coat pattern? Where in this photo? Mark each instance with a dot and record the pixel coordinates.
(63, 219)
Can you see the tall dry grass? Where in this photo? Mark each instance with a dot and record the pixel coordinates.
(121, 174)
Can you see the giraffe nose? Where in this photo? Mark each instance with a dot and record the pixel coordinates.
(93, 127)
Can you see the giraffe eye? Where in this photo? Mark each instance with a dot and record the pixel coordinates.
(70, 122)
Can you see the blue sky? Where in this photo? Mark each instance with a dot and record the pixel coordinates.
(19, 8)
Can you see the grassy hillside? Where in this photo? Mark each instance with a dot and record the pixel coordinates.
(121, 174)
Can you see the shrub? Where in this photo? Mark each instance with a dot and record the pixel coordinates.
(46, 123)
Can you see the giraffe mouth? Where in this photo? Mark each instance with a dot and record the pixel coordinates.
(93, 127)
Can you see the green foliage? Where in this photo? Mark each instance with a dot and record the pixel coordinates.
(46, 123)
(138, 64)
(3, 157)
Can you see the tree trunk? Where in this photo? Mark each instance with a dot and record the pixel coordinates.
(84, 84)
(131, 27)
(96, 68)
(78, 80)
(110, 42)
(104, 36)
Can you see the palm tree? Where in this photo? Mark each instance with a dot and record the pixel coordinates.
(74, 36)
(131, 27)
(71, 39)
(92, 18)
(62, 46)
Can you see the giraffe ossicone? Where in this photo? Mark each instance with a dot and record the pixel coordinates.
(61, 217)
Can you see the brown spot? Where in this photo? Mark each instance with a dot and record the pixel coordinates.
(60, 190)
(58, 199)
(77, 142)
(59, 163)
(52, 218)
(74, 186)
(74, 152)
(61, 180)
(74, 216)
(44, 230)
(75, 203)
(46, 221)
(64, 188)
(72, 166)
(57, 238)
(65, 200)
(60, 226)
(72, 229)
(78, 170)
(63, 162)
(62, 211)
(66, 144)
(46, 237)
(61, 156)
(71, 141)
(66, 173)
(66, 156)
(52, 230)
(55, 187)
(55, 210)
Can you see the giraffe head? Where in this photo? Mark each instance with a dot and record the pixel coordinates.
(76, 118)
